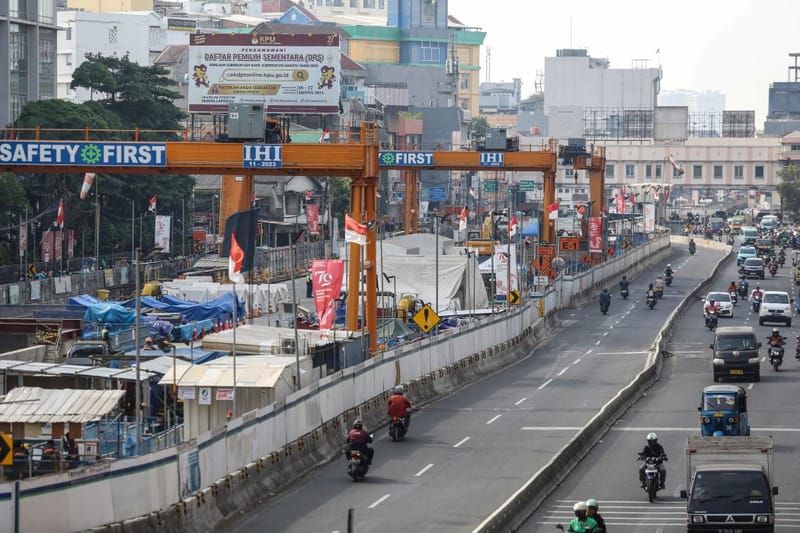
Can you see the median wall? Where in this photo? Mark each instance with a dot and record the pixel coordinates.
(280, 442)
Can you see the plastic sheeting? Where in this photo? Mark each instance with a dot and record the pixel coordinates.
(84, 300)
(108, 313)
(217, 309)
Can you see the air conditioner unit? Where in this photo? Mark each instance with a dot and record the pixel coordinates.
(287, 346)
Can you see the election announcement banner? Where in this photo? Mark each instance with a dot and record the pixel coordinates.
(287, 73)
(326, 279)
(595, 234)
(312, 218)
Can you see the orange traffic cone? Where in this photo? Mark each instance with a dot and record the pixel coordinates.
(228, 324)
(194, 334)
(216, 326)
(202, 332)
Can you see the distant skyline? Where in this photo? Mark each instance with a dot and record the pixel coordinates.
(737, 47)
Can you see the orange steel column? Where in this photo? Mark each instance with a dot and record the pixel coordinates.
(415, 200)
(411, 203)
(597, 190)
(369, 133)
(408, 204)
(548, 228)
(354, 271)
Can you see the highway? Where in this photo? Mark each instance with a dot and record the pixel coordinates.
(610, 472)
(469, 451)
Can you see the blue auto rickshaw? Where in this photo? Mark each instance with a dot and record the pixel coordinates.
(723, 411)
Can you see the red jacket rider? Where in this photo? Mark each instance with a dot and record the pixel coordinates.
(399, 405)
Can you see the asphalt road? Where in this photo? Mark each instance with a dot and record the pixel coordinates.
(468, 452)
(610, 473)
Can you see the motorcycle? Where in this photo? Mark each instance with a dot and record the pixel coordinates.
(756, 303)
(734, 297)
(651, 301)
(604, 307)
(742, 291)
(659, 291)
(624, 293)
(668, 280)
(775, 353)
(357, 464)
(797, 350)
(781, 260)
(692, 249)
(711, 320)
(397, 429)
(773, 269)
(652, 475)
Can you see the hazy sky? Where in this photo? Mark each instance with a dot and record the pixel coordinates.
(737, 47)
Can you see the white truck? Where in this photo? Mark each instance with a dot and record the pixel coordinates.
(730, 485)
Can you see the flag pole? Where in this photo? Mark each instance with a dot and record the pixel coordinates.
(233, 345)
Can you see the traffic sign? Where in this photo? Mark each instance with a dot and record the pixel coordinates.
(491, 186)
(611, 250)
(527, 185)
(568, 244)
(437, 194)
(514, 298)
(426, 319)
(6, 449)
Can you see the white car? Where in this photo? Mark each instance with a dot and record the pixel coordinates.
(723, 302)
(776, 306)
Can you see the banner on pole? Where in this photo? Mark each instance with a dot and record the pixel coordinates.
(326, 279)
(162, 232)
(595, 234)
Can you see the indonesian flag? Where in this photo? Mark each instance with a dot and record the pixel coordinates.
(654, 191)
(326, 136)
(473, 193)
(253, 200)
(88, 180)
(354, 231)
(152, 204)
(667, 189)
(462, 220)
(309, 195)
(512, 227)
(60, 215)
(580, 211)
(235, 261)
(675, 165)
(552, 211)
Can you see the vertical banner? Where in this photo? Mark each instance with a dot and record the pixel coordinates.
(326, 279)
(595, 234)
(47, 249)
(162, 232)
(58, 243)
(649, 217)
(23, 239)
(70, 243)
(620, 201)
(312, 219)
(501, 278)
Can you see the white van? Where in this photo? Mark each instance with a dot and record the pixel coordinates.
(748, 235)
(768, 222)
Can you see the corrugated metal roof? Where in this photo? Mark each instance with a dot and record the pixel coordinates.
(35, 405)
(29, 368)
(254, 371)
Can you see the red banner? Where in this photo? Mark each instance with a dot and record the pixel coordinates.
(326, 279)
(620, 201)
(312, 218)
(595, 234)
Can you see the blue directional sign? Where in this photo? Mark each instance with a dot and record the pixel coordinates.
(437, 194)
(100, 154)
(404, 158)
(262, 156)
(492, 159)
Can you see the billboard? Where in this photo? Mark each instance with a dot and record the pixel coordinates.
(288, 73)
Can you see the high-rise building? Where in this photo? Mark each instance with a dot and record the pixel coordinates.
(27, 55)
(783, 116)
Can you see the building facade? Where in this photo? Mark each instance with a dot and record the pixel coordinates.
(27, 55)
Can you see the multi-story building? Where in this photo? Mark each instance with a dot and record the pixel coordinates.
(783, 116)
(27, 55)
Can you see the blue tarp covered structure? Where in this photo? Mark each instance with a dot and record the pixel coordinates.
(220, 308)
(108, 313)
(531, 230)
(186, 353)
(84, 300)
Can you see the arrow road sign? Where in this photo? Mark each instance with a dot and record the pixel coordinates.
(6, 448)
(514, 298)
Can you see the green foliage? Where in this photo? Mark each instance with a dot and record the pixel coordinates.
(479, 127)
(12, 209)
(789, 189)
(340, 197)
(63, 116)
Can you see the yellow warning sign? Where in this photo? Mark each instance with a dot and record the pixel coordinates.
(6, 448)
(514, 298)
(426, 319)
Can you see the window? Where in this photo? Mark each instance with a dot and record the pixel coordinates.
(429, 52)
(369, 4)
(648, 171)
(69, 59)
(353, 3)
(794, 147)
(381, 4)
(69, 33)
(630, 171)
(717, 172)
(676, 174)
(609, 171)
(697, 172)
(46, 10)
(738, 172)
(759, 172)
(464, 83)
(658, 170)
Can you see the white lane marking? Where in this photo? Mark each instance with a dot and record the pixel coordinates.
(606, 333)
(545, 384)
(692, 428)
(578, 360)
(629, 353)
(750, 387)
(563, 370)
(588, 352)
(379, 501)
(462, 441)
(423, 470)
(553, 428)
(520, 401)
(493, 419)
(597, 343)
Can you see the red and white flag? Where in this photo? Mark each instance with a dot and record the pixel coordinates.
(60, 216)
(326, 135)
(151, 206)
(88, 180)
(235, 261)
(552, 211)
(473, 193)
(580, 211)
(354, 231)
(512, 226)
(253, 200)
(309, 195)
(678, 168)
(462, 220)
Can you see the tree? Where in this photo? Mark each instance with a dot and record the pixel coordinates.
(789, 189)
(479, 127)
(340, 198)
(12, 213)
(63, 116)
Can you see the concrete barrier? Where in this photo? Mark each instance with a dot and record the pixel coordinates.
(513, 513)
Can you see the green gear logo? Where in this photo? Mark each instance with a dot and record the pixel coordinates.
(90, 154)
(387, 158)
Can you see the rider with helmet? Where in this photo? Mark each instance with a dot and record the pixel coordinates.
(400, 406)
(358, 439)
(732, 287)
(776, 339)
(605, 299)
(711, 307)
(756, 293)
(581, 523)
(592, 507)
(653, 449)
(668, 271)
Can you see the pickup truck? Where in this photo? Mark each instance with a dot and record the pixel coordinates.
(91, 353)
(730, 484)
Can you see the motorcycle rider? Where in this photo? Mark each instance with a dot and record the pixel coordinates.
(668, 271)
(732, 287)
(776, 339)
(581, 523)
(659, 285)
(651, 292)
(692, 246)
(653, 449)
(605, 299)
(400, 406)
(623, 283)
(711, 307)
(744, 283)
(756, 293)
(591, 512)
(359, 440)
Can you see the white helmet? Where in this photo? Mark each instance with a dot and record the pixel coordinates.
(652, 436)
(399, 389)
(580, 506)
(669, 266)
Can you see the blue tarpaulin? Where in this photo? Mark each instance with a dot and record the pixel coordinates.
(220, 308)
(186, 353)
(83, 300)
(531, 230)
(108, 313)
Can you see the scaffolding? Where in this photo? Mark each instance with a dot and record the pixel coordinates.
(618, 123)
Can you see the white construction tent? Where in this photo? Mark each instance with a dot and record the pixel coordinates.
(201, 289)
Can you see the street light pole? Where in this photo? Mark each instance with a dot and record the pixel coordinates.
(136, 336)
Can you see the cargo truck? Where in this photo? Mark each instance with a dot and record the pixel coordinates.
(730, 484)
